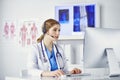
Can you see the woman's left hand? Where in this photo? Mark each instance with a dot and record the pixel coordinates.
(75, 71)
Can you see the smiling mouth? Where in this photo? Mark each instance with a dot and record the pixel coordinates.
(56, 37)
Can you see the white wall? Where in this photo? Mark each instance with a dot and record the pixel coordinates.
(12, 56)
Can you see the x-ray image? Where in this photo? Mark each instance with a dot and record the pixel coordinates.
(83, 16)
(64, 16)
(75, 18)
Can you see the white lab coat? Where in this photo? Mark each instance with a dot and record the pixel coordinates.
(36, 64)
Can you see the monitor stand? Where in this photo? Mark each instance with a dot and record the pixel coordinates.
(113, 64)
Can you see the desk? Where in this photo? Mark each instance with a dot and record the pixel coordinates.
(65, 78)
(96, 74)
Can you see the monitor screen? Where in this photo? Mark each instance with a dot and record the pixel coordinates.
(95, 42)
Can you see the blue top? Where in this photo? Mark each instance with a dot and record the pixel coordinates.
(52, 59)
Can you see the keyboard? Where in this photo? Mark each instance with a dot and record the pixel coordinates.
(75, 75)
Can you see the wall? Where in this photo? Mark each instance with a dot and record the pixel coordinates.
(13, 57)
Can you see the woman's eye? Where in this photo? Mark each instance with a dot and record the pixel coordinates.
(55, 29)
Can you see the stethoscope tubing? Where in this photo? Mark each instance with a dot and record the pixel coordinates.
(58, 54)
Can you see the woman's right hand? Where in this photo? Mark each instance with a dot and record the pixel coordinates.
(55, 73)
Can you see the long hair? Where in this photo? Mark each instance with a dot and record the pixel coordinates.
(46, 26)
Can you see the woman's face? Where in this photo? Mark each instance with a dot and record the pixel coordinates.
(54, 32)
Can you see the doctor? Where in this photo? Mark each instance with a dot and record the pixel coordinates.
(46, 57)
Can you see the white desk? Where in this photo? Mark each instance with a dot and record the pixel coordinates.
(65, 78)
(96, 74)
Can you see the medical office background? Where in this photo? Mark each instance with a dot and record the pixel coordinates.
(24, 13)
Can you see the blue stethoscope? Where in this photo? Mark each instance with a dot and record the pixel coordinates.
(58, 55)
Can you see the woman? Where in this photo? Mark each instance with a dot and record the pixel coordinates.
(47, 58)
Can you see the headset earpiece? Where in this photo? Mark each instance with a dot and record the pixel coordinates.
(44, 29)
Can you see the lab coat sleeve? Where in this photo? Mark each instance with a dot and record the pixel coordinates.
(32, 63)
(66, 65)
(64, 59)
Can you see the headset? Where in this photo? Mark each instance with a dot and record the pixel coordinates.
(44, 29)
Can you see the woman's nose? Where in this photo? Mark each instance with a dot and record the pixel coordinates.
(58, 32)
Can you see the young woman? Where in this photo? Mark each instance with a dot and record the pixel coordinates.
(46, 57)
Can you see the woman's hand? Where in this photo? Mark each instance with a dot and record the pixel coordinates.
(55, 73)
(75, 71)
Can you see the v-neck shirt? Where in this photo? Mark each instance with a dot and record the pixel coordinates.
(52, 59)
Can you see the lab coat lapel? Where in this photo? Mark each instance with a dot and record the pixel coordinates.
(55, 51)
(48, 62)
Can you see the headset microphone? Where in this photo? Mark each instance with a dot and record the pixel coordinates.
(51, 36)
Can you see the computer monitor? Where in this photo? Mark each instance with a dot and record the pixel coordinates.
(102, 49)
